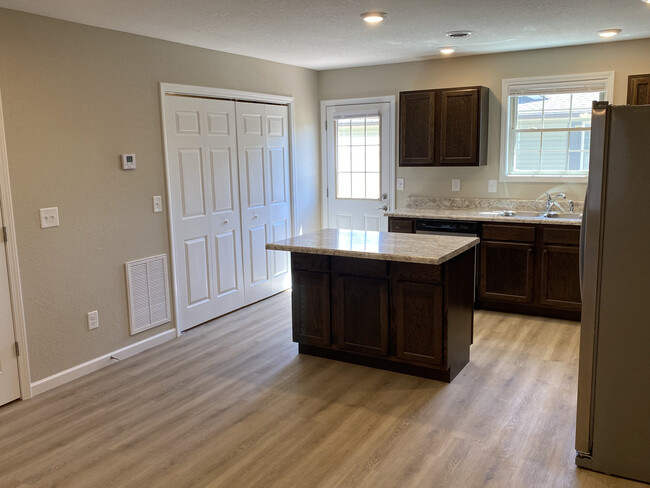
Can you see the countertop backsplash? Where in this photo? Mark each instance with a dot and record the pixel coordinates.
(488, 204)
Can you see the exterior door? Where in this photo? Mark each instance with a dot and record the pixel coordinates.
(9, 382)
(358, 166)
(204, 184)
(263, 149)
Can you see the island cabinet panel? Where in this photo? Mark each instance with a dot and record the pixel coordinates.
(507, 271)
(311, 299)
(360, 314)
(419, 322)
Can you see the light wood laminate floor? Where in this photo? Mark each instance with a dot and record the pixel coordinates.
(232, 404)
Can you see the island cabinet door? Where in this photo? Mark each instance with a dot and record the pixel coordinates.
(310, 297)
(360, 314)
(418, 314)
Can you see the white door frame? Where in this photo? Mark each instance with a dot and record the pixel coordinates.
(13, 270)
(236, 95)
(324, 159)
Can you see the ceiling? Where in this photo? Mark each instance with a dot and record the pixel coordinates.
(330, 34)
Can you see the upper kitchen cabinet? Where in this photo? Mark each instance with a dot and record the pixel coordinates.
(638, 89)
(445, 127)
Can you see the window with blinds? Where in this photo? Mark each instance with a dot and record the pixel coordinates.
(548, 126)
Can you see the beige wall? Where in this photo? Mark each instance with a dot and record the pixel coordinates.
(625, 58)
(74, 99)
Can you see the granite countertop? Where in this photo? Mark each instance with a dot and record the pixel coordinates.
(520, 217)
(488, 210)
(385, 246)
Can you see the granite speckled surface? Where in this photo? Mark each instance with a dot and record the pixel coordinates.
(485, 210)
(385, 246)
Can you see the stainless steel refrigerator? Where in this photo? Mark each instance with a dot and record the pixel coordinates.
(613, 418)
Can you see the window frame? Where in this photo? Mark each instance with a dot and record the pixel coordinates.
(606, 77)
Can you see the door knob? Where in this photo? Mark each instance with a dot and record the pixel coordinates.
(255, 217)
(383, 207)
(226, 221)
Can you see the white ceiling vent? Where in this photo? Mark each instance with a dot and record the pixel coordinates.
(147, 285)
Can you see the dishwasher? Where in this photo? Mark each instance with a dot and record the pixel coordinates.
(458, 228)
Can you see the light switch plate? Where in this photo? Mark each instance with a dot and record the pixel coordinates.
(400, 183)
(157, 204)
(128, 161)
(49, 217)
(492, 186)
(455, 185)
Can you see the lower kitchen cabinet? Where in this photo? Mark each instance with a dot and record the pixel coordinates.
(530, 269)
(560, 286)
(507, 271)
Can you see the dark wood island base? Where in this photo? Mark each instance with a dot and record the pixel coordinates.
(406, 317)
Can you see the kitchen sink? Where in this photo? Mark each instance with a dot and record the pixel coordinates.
(527, 214)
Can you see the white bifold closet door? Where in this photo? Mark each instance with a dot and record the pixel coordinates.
(220, 234)
(265, 198)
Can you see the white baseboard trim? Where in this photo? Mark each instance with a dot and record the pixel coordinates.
(88, 367)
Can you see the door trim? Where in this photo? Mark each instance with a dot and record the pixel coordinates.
(390, 99)
(13, 269)
(224, 94)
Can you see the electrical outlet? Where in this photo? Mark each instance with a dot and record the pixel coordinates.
(400, 183)
(49, 217)
(93, 320)
(492, 186)
(157, 204)
(455, 185)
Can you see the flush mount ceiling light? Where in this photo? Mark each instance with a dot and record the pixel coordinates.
(373, 17)
(447, 50)
(609, 32)
(460, 34)
(645, 1)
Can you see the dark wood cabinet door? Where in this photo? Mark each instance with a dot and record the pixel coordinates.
(560, 285)
(459, 127)
(638, 90)
(417, 128)
(418, 313)
(310, 301)
(405, 226)
(360, 314)
(507, 271)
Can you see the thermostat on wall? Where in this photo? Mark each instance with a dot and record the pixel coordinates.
(128, 161)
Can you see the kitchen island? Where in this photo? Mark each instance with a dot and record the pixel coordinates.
(392, 301)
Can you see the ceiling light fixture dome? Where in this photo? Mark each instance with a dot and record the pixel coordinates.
(447, 50)
(373, 17)
(609, 32)
(458, 34)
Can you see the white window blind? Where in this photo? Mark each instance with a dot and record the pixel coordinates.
(546, 124)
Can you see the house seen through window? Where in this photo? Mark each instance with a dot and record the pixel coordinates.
(548, 126)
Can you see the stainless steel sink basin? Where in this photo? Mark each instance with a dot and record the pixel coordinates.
(528, 214)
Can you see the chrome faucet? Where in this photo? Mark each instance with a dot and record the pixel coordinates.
(571, 206)
(550, 200)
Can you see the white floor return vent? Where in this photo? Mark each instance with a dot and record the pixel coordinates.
(147, 283)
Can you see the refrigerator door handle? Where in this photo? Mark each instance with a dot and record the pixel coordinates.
(583, 232)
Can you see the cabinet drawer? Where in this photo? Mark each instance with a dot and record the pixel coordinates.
(406, 226)
(371, 268)
(310, 262)
(561, 235)
(418, 273)
(519, 233)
